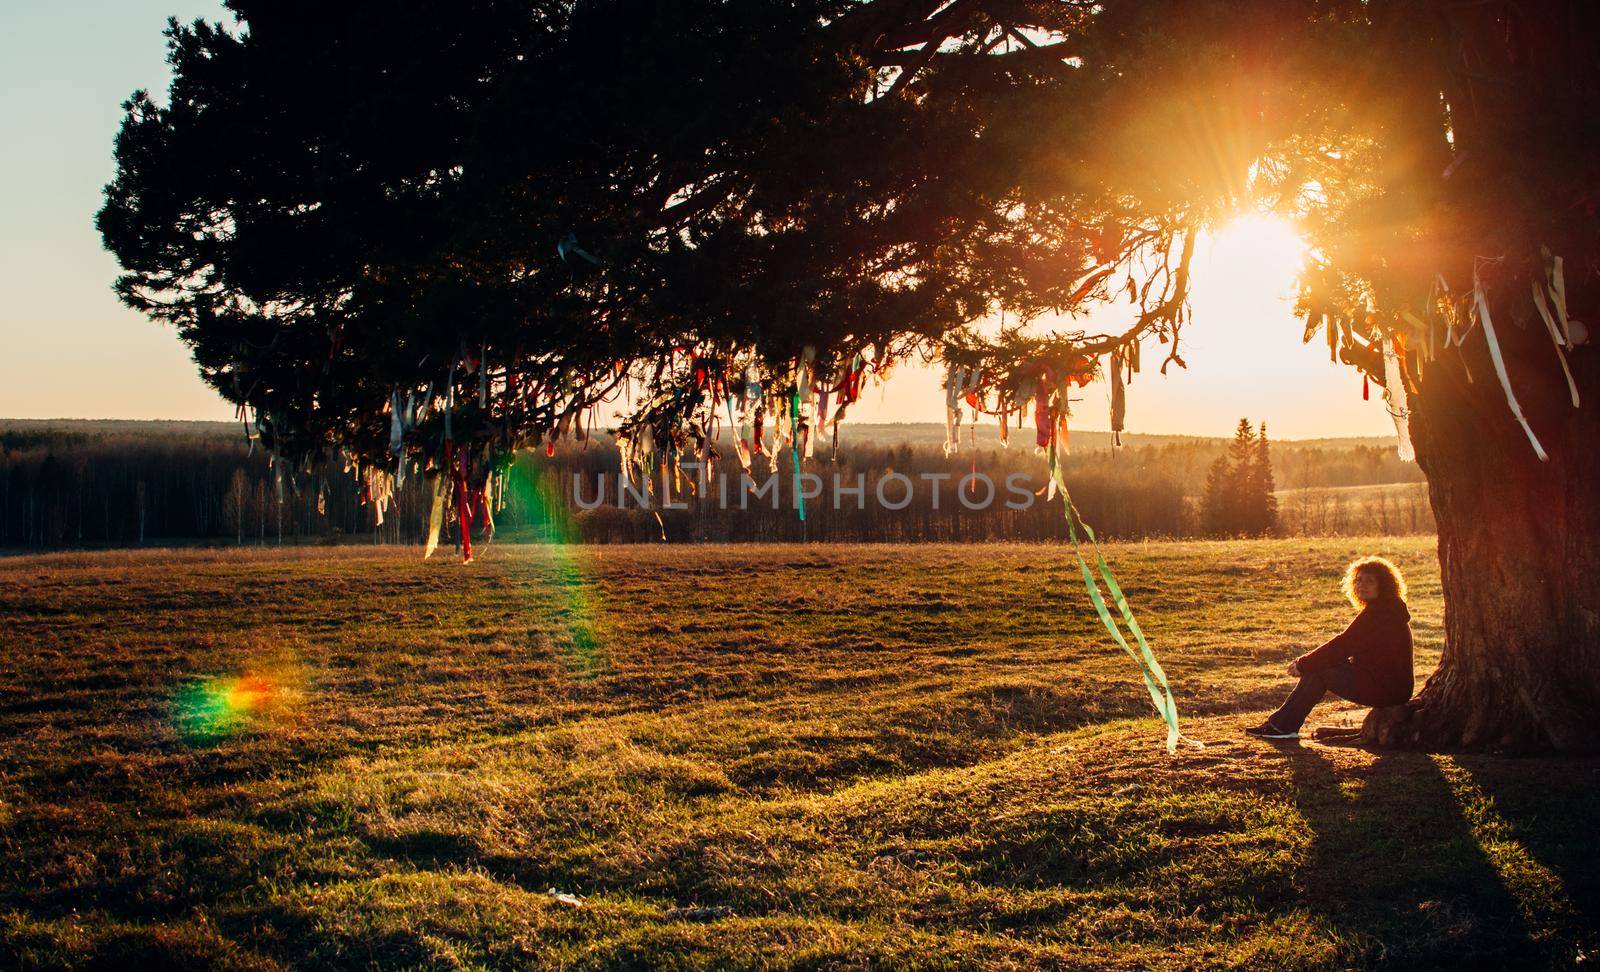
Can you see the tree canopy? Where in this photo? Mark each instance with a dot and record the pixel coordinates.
(497, 212)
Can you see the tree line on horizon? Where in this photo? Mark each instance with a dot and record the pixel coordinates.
(63, 489)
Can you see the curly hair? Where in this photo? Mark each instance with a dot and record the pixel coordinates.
(1390, 583)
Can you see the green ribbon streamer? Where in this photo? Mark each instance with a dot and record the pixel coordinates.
(794, 449)
(1155, 680)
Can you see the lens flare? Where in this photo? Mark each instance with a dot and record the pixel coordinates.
(219, 707)
(534, 490)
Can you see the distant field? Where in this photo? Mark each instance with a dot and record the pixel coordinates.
(1385, 509)
(728, 756)
(103, 427)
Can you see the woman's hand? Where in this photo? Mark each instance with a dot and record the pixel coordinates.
(1294, 668)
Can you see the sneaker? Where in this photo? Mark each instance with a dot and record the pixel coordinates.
(1269, 731)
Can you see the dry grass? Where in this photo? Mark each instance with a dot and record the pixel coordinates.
(921, 756)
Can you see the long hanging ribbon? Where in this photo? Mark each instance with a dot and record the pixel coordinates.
(450, 405)
(1500, 365)
(435, 515)
(1394, 395)
(1556, 338)
(460, 465)
(1155, 680)
(1119, 400)
(953, 377)
(1558, 292)
(794, 450)
(483, 376)
(737, 431)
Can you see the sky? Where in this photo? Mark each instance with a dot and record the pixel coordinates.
(68, 349)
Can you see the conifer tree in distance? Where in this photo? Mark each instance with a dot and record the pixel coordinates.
(1215, 511)
(1266, 486)
(1241, 489)
(1238, 499)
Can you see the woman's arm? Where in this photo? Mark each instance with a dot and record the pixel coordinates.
(1338, 648)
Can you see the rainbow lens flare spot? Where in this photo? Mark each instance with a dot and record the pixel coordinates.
(220, 707)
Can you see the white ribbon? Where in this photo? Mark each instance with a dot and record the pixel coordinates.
(1556, 339)
(1500, 365)
(1394, 393)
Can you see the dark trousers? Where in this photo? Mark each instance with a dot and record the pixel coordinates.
(1339, 679)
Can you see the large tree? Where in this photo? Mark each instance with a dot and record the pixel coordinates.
(500, 211)
(1451, 195)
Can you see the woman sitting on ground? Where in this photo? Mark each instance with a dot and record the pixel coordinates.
(1368, 663)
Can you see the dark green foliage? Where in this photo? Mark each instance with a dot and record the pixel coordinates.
(1263, 485)
(1238, 499)
(506, 209)
(526, 197)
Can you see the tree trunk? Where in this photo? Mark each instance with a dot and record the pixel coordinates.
(1518, 551)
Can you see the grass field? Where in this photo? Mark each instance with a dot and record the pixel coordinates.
(790, 756)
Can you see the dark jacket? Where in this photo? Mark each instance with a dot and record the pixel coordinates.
(1378, 645)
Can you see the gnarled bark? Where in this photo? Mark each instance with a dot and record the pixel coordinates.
(1518, 551)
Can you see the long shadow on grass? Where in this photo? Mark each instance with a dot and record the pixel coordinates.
(1541, 813)
(1397, 873)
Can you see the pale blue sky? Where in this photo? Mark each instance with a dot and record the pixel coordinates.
(68, 349)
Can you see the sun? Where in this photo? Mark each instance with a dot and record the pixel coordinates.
(1256, 254)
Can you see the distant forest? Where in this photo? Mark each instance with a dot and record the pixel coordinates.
(98, 484)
